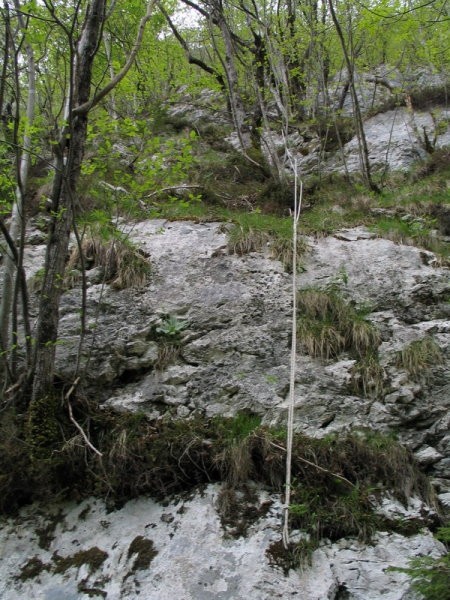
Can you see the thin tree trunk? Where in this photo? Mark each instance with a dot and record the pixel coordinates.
(65, 185)
(64, 188)
(237, 107)
(12, 266)
(6, 45)
(364, 151)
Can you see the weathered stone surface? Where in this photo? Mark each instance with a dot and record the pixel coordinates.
(395, 140)
(208, 109)
(383, 86)
(192, 558)
(234, 354)
(234, 351)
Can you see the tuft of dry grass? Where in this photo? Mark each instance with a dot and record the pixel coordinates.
(328, 325)
(368, 376)
(420, 356)
(320, 339)
(168, 353)
(243, 241)
(282, 249)
(123, 264)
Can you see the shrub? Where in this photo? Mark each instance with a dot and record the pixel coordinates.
(431, 576)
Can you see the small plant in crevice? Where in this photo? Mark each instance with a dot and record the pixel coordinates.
(168, 353)
(419, 357)
(171, 326)
(169, 338)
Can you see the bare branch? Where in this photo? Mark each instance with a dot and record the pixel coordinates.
(77, 425)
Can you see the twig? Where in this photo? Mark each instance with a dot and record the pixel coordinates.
(174, 187)
(318, 467)
(77, 425)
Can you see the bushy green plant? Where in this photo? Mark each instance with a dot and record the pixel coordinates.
(128, 165)
(169, 338)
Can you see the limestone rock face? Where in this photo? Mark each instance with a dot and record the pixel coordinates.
(210, 334)
(232, 351)
(146, 550)
(396, 139)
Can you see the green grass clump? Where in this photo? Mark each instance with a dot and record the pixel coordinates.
(256, 232)
(329, 325)
(420, 356)
(417, 232)
(123, 264)
(367, 376)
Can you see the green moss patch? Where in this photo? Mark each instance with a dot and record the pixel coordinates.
(144, 552)
(93, 558)
(32, 568)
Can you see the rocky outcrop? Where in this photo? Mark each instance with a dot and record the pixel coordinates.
(406, 118)
(233, 350)
(180, 550)
(209, 335)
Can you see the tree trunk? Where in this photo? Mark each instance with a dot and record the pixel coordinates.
(63, 193)
(364, 151)
(69, 157)
(237, 106)
(12, 264)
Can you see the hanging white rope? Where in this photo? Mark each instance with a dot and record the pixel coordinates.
(298, 194)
